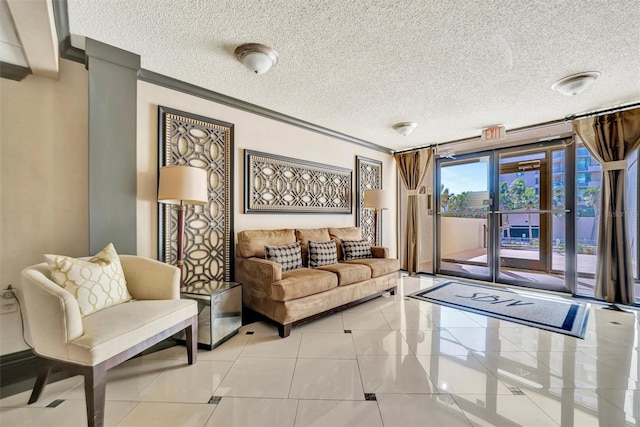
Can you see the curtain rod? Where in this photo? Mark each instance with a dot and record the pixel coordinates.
(529, 127)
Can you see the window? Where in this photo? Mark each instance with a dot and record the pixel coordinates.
(584, 163)
(583, 178)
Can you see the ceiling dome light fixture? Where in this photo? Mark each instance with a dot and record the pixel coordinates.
(256, 57)
(405, 128)
(575, 83)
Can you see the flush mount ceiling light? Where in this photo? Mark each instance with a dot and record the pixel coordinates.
(256, 57)
(405, 128)
(575, 83)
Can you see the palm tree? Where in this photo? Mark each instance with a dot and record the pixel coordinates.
(558, 197)
(505, 205)
(530, 200)
(461, 202)
(591, 197)
(445, 198)
(519, 196)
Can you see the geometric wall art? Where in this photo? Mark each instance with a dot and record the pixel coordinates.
(277, 184)
(368, 177)
(186, 139)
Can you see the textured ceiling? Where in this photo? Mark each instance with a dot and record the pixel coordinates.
(357, 67)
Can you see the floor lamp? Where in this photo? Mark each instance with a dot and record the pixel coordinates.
(182, 186)
(376, 200)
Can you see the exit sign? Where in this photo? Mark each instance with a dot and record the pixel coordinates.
(494, 133)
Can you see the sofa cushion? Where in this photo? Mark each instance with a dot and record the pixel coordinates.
(96, 283)
(316, 234)
(109, 332)
(288, 256)
(252, 242)
(322, 253)
(379, 266)
(347, 233)
(302, 282)
(356, 249)
(348, 273)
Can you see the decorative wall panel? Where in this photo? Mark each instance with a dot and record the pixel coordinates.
(189, 140)
(368, 177)
(276, 184)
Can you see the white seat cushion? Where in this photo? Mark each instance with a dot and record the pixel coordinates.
(113, 330)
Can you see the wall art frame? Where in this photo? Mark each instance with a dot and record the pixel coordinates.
(277, 184)
(187, 139)
(368, 177)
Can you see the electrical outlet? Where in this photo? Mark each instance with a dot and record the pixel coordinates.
(8, 303)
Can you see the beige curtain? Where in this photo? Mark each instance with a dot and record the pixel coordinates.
(611, 138)
(412, 167)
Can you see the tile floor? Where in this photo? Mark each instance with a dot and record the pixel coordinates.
(404, 363)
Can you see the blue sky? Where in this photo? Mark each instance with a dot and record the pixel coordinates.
(465, 177)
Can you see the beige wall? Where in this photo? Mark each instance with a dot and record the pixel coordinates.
(461, 234)
(250, 132)
(44, 170)
(44, 185)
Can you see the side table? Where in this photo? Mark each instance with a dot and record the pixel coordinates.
(219, 310)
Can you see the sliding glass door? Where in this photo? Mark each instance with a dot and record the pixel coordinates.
(526, 215)
(532, 217)
(503, 216)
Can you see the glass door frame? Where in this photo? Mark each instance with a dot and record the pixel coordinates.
(542, 166)
(570, 268)
(437, 223)
(492, 218)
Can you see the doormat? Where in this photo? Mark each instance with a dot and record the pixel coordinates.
(539, 311)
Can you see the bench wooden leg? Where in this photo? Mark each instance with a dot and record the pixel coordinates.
(95, 386)
(41, 381)
(284, 330)
(393, 290)
(192, 341)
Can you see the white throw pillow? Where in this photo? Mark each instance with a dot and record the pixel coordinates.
(96, 283)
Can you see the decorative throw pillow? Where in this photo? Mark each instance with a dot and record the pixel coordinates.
(356, 249)
(96, 283)
(290, 256)
(322, 253)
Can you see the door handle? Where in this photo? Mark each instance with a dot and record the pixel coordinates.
(543, 211)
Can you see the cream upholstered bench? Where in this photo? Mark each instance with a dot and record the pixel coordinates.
(91, 345)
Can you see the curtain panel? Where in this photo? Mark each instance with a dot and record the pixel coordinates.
(412, 167)
(611, 138)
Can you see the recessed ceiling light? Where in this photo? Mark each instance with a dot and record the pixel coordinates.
(405, 128)
(256, 57)
(575, 83)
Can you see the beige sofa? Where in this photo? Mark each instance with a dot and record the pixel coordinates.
(294, 296)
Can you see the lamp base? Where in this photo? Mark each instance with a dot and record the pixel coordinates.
(375, 228)
(180, 243)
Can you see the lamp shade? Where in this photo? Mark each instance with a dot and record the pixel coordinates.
(376, 199)
(182, 185)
